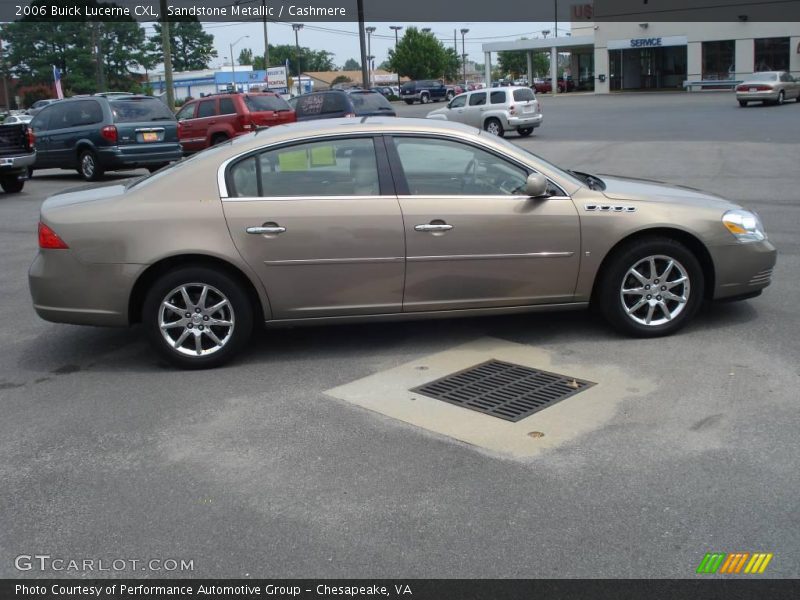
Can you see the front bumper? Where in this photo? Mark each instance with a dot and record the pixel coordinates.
(524, 121)
(139, 155)
(66, 290)
(742, 269)
(10, 164)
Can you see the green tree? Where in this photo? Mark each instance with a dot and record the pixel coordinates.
(419, 55)
(515, 63)
(246, 57)
(310, 60)
(35, 45)
(192, 48)
(351, 64)
(340, 79)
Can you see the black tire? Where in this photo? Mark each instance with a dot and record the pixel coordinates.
(239, 312)
(781, 98)
(218, 138)
(89, 167)
(798, 98)
(409, 102)
(616, 306)
(12, 184)
(742, 103)
(30, 172)
(424, 98)
(525, 131)
(494, 127)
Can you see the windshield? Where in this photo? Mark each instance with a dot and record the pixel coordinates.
(763, 77)
(137, 110)
(367, 102)
(568, 175)
(266, 102)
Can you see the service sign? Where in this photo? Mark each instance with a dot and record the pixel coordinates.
(648, 42)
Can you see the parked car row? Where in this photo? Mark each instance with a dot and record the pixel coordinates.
(425, 91)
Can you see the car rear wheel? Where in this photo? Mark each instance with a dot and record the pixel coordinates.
(742, 103)
(781, 98)
(525, 131)
(197, 318)
(12, 184)
(409, 102)
(494, 127)
(88, 166)
(651, 287)
(425, 98)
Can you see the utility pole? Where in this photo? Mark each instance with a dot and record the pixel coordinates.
(396, 29)
(5, 79)
(362, 42)
(101, 71)
(266, 40)
(370, 31)
(464, 32)
(555, 2)
(297, 27)
(165, 46)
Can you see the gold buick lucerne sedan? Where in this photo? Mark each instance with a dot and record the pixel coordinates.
(356, 219)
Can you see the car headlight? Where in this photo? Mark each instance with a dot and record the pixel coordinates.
(744, 225)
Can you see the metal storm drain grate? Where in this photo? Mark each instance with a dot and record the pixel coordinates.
(504, 390)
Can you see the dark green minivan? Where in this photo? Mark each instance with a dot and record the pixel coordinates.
(94, 134)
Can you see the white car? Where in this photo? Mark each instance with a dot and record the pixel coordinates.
(11, 119)
(495, 110)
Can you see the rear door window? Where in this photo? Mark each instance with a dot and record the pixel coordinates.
(477, 99)
(226, 106)
(498, 98)
(266, 102)
(309, 105)
(85, 112)
(335, 104)
(207, 108)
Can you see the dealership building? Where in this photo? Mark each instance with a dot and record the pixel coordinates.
(611, 57)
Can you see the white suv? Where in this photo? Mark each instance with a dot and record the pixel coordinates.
(496, 110)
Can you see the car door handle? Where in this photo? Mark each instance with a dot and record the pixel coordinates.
(266, 229)
(433, 227)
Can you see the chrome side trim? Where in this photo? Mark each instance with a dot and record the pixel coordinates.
(490, 256)
(301, 198)
(333, 261)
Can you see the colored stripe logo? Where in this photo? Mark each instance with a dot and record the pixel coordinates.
(734, 563)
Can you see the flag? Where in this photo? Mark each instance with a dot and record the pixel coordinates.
(57, 78)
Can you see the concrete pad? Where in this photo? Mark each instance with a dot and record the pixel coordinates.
(387, 392)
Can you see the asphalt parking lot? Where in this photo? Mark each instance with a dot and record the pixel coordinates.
(263, 469)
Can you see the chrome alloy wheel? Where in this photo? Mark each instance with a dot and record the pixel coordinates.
(493, 127)
(655, 290)
(87, 165)
(196, 319)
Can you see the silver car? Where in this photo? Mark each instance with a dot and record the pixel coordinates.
(769, 87)
(495, 110)
(346, 220)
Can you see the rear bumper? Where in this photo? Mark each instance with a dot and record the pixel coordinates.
(523, 122)
(139, 155)
(14, 164)
(65, 290)
(768, 96)
(742, 269)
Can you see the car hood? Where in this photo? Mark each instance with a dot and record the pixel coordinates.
(439, 113)
(629, 188)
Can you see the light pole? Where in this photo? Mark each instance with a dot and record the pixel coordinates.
(464, 32)
(266, 41)
(370, 31)
(396, 28)
(233, 68)
(297, 27)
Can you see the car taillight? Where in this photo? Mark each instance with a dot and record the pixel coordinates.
(31, 138)
(109, 133)
(512, 109)
(245, 122)
(49, 240)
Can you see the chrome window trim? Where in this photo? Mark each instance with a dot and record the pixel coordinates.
(296, 198)
(223, 186)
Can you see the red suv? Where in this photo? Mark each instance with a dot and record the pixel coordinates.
(213, 119)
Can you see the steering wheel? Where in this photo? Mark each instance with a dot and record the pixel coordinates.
(469, 177)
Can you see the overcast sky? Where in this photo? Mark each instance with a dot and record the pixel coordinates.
(342, 38)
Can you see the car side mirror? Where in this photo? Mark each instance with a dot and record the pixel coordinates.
(536, 185)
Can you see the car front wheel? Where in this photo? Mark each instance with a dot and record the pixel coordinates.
(651, 287)
(197, 317)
